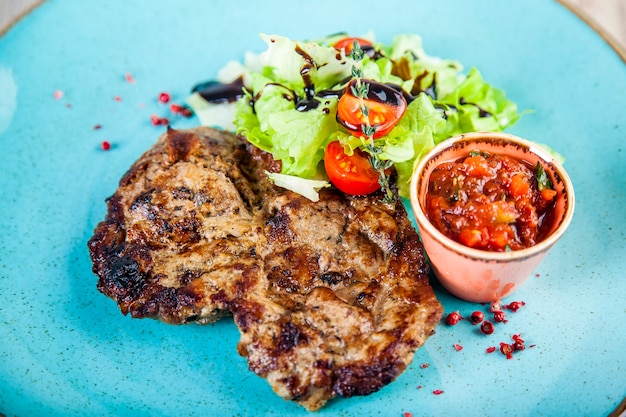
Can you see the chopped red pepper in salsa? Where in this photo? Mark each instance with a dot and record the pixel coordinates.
(488, 201)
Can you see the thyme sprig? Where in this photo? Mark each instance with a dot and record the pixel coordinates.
(360, 90)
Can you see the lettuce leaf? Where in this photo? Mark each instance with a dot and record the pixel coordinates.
(305, 187)
(296, 138)
(285, 61)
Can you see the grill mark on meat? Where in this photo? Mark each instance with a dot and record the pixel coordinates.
(330, 298)
(282, 278)
(279, 228)
(331, 278)
(187, 276)
(293, 269)
(289, 338)
(143, 202)
(183, 193)
(185, 232)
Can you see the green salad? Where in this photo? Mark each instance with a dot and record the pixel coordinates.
(291, 93)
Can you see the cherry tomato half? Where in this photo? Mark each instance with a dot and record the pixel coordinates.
(385, 104)
(351, 174)
(347, 44)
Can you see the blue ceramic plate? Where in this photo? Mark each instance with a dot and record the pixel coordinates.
(65, 349)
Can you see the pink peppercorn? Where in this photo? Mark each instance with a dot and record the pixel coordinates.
(487, 327)
(477, 317)
(499, 317)
(164, 97)
(453, 318)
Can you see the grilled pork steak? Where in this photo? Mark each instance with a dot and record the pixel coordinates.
(331, 298)
(180, 236)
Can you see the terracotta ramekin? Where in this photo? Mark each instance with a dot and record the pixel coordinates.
(476, 275)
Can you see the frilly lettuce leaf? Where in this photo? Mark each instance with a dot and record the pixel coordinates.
(284, 60)
(296, 138)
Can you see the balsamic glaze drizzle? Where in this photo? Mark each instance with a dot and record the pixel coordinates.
(216, 92)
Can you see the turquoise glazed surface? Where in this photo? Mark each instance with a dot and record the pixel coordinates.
(65, 349)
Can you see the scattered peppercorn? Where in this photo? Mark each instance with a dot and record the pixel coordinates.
(515, 305)
(518, 342)
(105, 145)
(487, 327)
(159, 121)
(182, 110)
(164, 97)
(499, 317)
(506, 350)
(453, 318)
(477, 317)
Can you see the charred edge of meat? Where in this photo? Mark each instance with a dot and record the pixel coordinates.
(246, 314)
(136, 171)
(181, 144)
(123, 278)
(365, 379)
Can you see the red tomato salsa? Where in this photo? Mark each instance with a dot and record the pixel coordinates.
(490, 202)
